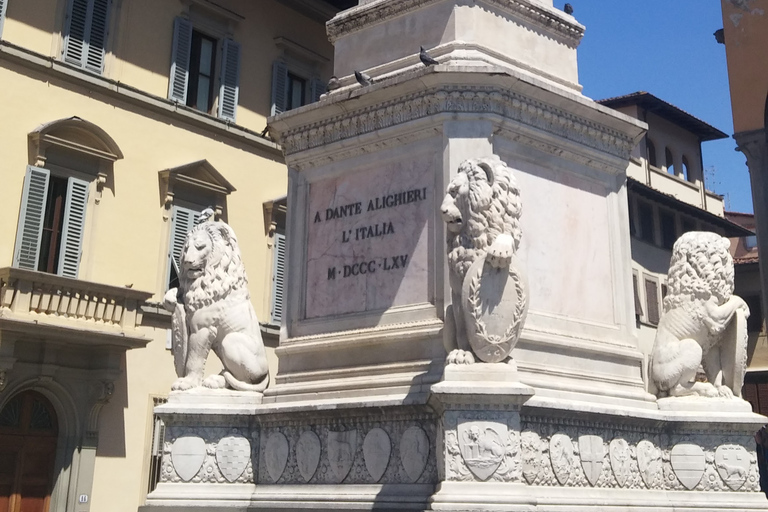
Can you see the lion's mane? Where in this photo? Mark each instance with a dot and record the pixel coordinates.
(224, 272)
(701, 267)
(487, 210)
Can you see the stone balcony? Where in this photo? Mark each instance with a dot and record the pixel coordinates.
(52, 308)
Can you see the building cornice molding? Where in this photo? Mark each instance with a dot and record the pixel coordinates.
(754, 145)
(349, 21)
(464, 99)
(112, 88)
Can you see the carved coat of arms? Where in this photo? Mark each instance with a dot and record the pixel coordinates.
(688, 462)
(232, 456)
(592, 451)
(732, 463)
(482, 445)
(648, 461)
(532, 454)
(561, 455)
(341, 452)
(620, 460)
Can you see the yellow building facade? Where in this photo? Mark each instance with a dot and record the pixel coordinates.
(122, 120)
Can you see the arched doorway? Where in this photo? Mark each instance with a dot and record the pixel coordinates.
(28, 431)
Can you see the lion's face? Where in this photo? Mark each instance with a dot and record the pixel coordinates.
(196, 254)
(468, 190)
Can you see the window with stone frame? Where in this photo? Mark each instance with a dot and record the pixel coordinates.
(3, 9)
(72, 163)
(156, 445)
(188, 190)
(653, 309)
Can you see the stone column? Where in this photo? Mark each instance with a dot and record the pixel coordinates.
(755, 147)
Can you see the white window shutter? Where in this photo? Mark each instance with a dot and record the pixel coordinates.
(184, 219)
(278, 279)
(182, 48)
(31, 217)
(97, 36)
(3, 8)
(77, 27)
(230, 77)
(86, 34)
(317, 88)
(73, 227)
(279, 87)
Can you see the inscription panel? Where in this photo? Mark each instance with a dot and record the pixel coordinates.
(367, 247)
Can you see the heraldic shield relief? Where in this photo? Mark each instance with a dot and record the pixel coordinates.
(482, 446)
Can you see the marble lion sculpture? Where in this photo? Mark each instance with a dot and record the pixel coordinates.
(703, 322)
(481, 210)
(212, 311)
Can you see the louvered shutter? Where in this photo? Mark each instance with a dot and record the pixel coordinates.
(73, 227)
(278, 279)
(230, 77)
(638, 304)
(74, 41)
(86, 34)
(182, 48)
(279, 87)
(31, 218)
(97, 36)
(184, 219)
(3, 7)
(652, 300)
(317, 88)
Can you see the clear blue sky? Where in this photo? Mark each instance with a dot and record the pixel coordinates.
(666, 47)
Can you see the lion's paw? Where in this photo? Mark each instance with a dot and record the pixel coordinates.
(500, 252)
(185, 383)
(724, 392)
(458, 356)
(215, 382)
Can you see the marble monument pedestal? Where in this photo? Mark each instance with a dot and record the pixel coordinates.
(484, 441)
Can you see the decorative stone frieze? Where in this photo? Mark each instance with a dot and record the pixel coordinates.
(472, 99)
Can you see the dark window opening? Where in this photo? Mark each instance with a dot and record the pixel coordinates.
(668, 161)
(668, 231)
(645, 213)
(201, 72)
(632, 229)
(651, 150)
(297, 91)
(652, 301)
(688, 225)
(53, 222)
(687, 170)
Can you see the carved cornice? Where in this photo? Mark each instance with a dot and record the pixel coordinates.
(754, 145)
(567, 32)
(458, 99)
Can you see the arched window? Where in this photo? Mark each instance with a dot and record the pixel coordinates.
(69, 156)
(668, 161)
(687, 170)
(650, 149)
(28, 435)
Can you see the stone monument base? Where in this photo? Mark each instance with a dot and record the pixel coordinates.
(476, 445)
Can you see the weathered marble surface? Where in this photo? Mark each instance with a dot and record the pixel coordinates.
(367, 245)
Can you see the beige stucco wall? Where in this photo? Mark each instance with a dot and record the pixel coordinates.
(746, 45)
(126, 238)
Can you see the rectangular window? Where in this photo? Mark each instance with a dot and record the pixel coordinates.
(291, 90)
(297, 91)
(668, 229)
(193, 70)
(85, 35)
(201, 72)
(51, 223)
(652, 300)
(645, 215)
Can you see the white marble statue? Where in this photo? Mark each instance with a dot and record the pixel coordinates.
(212, 310)
(703, 323)
(489, 293)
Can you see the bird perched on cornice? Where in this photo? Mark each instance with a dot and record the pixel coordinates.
(363, 79)
(264, 131)
(426, 58)
(205, 216)
(568, 9)
(333, 84)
